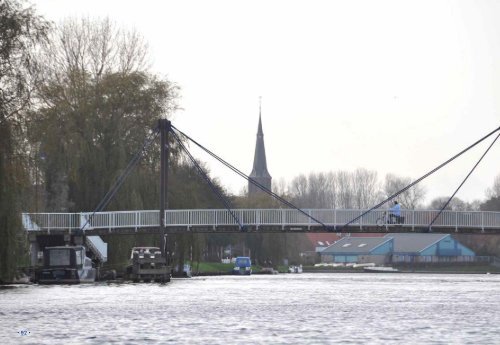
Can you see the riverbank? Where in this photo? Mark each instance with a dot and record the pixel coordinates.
(211, 269)
(415, 268)
(216, 268)
(450, 269)
(220, 269)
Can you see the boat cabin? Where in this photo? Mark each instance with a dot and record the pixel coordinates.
(66, 265)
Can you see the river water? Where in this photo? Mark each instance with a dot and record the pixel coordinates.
(260, 309)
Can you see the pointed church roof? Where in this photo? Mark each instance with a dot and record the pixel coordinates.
(259, 160)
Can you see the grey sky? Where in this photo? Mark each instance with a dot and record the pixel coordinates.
(391, 86)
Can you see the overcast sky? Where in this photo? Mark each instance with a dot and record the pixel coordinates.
(391, 86)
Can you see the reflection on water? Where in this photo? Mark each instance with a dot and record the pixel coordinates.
(274, 309)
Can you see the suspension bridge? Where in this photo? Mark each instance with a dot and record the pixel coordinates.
(87, 226)
(291, 218)
(260, 220)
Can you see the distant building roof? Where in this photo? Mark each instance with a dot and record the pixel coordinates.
(319, 239)
(322, 239)
(356, 245)
(414, 243)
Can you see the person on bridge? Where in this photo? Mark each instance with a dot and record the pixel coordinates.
(395, 214)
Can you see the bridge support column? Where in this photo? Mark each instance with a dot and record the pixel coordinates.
(67, 239)
(165, 127)
(78, 240)
(34, 249)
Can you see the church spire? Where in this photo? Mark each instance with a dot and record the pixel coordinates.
(259, 129)
(259, 172)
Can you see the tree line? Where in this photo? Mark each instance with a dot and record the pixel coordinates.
(362, 189)
(21, 32)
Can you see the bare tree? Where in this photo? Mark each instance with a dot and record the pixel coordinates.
(456, 204)
(299, 189)
(494, 191)
(279, 187)
(95, 47)
(82, 51)
(318, 190)
(411, 198)
(330, 190)
(344, 190)
(474, 205)
(365, 185)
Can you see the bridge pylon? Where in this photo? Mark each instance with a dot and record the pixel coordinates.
(165, 126)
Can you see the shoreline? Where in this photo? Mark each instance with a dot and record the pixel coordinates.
(214, 274)
(404, 271)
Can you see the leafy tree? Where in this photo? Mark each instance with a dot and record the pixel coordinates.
(492, 204)
(21, 31)
(98, 104)
(188, 189)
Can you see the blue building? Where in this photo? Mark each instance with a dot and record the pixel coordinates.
(397, 248)
(359, 250)
(429, 248)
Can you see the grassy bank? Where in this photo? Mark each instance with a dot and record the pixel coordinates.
(211, 267)
(219, 268)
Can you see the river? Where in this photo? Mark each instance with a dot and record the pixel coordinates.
(260, 309)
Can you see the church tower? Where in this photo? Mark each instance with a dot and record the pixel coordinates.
(259, 172)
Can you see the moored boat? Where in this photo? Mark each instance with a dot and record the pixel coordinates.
(268, 270)
(66, 265)
(148, 264)
(295, 269)
(242, 265)
(380, 269)
(371, 264)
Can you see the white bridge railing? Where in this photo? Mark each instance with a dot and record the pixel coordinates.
(255, 217)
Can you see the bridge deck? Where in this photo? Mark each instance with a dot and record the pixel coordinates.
(261, 220)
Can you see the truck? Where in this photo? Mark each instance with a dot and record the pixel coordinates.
(147, 264)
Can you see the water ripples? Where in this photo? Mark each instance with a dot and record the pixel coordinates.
(277, 309)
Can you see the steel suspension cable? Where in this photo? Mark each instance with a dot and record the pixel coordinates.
(423, 177)
(118, 183)
(207, 179)
(461, 184)
(249, 179)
